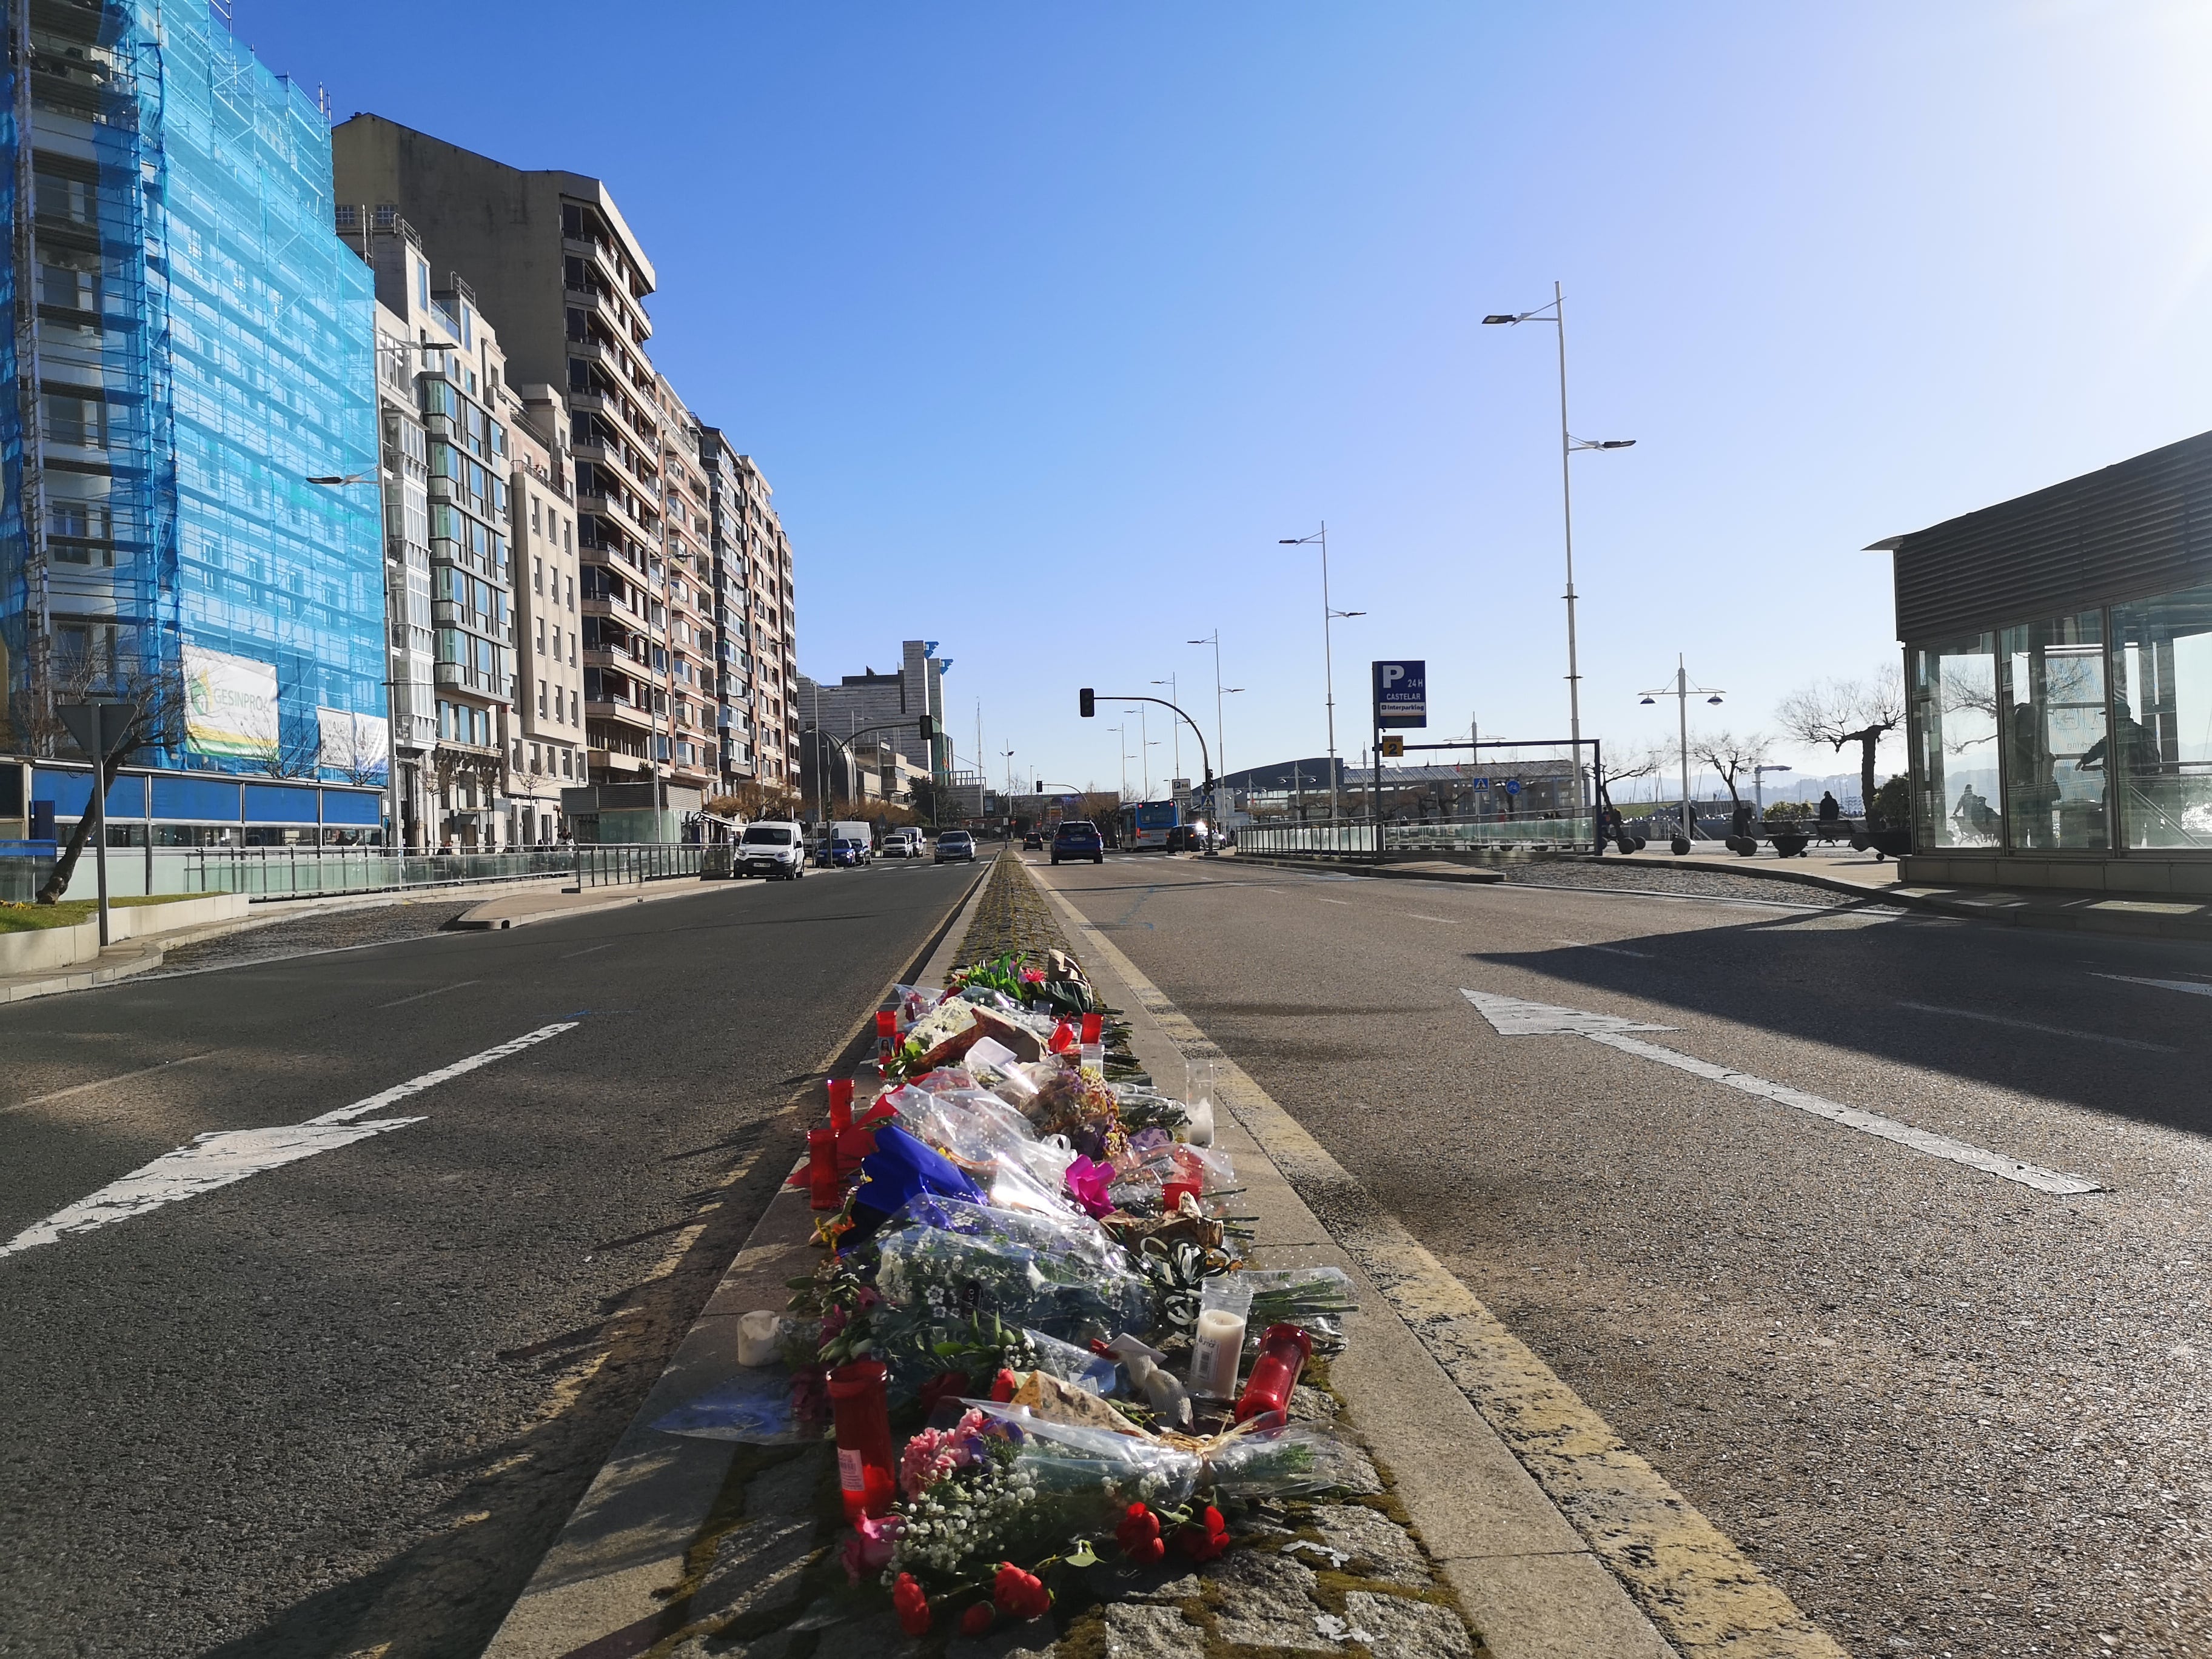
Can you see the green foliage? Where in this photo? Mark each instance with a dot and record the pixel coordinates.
(1892, 802)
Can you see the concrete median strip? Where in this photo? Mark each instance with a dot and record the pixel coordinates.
(1558, 1538)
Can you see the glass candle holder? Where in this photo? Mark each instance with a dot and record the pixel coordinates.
(1284, 1350)
(867, 1477)
(886, 1033)
(841, 1103)
(824, 1190)
(1094, 1028)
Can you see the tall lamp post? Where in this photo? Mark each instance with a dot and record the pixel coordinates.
(1568, 445)
(1220, 749)
(1173, 697)
(1327, 656)
(1681, 690)
(1759, 784)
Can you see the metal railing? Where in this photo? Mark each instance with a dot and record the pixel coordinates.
(1356, 839)
(313, 871)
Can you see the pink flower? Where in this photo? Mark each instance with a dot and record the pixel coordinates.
(867, 1552)
(1087, 1185)
(933, 1454)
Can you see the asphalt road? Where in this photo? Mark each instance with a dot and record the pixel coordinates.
(1949, 1413)
(342, 1406)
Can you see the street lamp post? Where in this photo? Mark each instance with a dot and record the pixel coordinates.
(1327, 656)
(1220, 748)
(1681, 690)
(1173, 697)
(1759, 784)
(1568, 445)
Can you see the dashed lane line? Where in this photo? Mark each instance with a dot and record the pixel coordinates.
(103, 1082)
(2047, 1030)
(1609, 950)
(434, 990)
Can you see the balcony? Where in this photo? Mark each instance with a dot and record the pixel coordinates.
(621, 713)
(617, 459)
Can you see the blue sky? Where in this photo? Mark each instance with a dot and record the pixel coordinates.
(1047, 322)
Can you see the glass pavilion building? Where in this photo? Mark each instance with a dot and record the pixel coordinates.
(2058, 669)
(190, 344)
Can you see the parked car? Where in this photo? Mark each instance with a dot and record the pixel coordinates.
(858, 833)
(903, 844)
(1188, 838)
(955, 845)
(1078, 838)
(844, 853)
(775, 848)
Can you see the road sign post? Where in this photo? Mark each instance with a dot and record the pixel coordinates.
(100, 729)
(1401, 695)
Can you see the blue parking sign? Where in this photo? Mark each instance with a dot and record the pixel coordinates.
(1401, 693)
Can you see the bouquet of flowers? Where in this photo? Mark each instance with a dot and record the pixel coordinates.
(1059, 1275)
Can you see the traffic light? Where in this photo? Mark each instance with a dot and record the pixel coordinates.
(928, 729)
(1088, 703)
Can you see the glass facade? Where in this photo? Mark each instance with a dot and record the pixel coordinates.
(2088, 734)
(201, 342)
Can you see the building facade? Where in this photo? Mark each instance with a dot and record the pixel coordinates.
(892, 701)
(757, 618)
(188, 516)
(2058, 664)
(545, 750)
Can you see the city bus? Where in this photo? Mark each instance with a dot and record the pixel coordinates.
(1146, 825)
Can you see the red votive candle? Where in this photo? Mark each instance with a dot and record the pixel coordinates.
(1284, 1350)
(886, 1031)
(1171, 1195)
(821, 1169)
(1063, 1038)
(841, 1103)
(1094, 1027)
(862, 1409)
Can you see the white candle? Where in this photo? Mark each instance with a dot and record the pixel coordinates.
(1217, 1351)
(757, 1339)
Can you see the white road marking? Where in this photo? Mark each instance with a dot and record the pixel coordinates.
(1331, 901)
(2048, 1031)
(2195, 987)
(1415, 915)
(1511, 1017)
(1610, 950)
(419, 996)
(218, 1158)
(101, 1083)
(587, 950)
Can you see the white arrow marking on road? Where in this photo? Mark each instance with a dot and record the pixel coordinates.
(223, 1156)
(2197, 988)
(1513, 1018)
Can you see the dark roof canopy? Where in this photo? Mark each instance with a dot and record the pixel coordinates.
(2125, 531)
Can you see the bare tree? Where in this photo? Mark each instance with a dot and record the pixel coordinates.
(155, 689)
(1732, 757)
(1625, 764)
(1838, 712)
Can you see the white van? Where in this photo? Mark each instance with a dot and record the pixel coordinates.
(903, 844)
(774, 848)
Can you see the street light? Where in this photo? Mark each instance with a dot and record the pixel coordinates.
(1759, 784)
(1327, 656)
(1220, 749)
(1174, 696)
(1680, 691)
(1568, 445)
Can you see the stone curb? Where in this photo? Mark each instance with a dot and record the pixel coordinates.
(134, 958)
(1387, 872)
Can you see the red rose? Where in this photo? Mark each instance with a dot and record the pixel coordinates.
(977, 1619)
(1020, 1595)
(1139, 1535)
(911, 1605)
(1003, 1387)
(1205, 1538)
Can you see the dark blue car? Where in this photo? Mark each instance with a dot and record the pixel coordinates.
(844, 854)
(1077, 839)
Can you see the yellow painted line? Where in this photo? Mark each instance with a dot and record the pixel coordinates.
(1702, 1592)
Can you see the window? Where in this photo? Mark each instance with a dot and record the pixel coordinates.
(537, 575)
(572, 648)
(572, 594)
(2051, 680)
(2162, 720)
(566, 755)
(72, 199)
(534, 505)
(573, 720)
(422, 285)
(74, 527)
(80, 422)
(67, 286)
(541, 636)
(537, 760)
(1954, 738)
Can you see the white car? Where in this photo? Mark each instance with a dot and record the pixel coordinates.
(776, 848)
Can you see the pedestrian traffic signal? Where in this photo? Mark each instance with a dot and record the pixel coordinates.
(1088, 703)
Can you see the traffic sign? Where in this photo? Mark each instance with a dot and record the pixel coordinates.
(1394, 749)
(1512, 786)
(1401, 693)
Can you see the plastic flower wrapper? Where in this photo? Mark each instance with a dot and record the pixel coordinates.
(988, 1138)
(1317, 1298)
(1098, 1372)
(1060, 1275)
(915, 1000)
(1143, 1107)
(1283, 1462)
(1088, 1477)
(899, 1171)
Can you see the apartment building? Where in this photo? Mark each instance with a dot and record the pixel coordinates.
(694, 712)
(894, 701)
(188, 516)
(446, 355)
(756, 618)
(546, 750)
(554, 261)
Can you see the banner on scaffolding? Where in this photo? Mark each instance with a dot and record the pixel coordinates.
(230, 705)
(357, 747)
